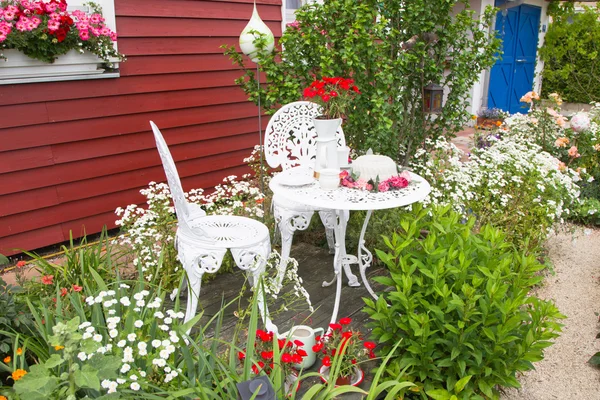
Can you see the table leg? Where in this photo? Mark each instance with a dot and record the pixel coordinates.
(340, 236)
(340, 222)
(365, 260)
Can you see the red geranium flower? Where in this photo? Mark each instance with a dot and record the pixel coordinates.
(267, 355)
(317, 347)
(63, 292)
(347, 335)
(327, 361)
(298, 343)
(241, 355)
(21, 264)
(370, 345)
(256, 369)
(47, 279)
(345, 321)
(286, 358)
(77, 288)
(335, 327)
(302, 353)
(296, 358)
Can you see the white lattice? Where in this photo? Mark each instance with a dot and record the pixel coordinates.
(290, 135)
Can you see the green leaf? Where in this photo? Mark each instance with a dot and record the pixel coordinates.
(36, 387)
(53, 361)
(438, 394)
(460, 385)
(485, 388)
(595, 359)
(87, 377)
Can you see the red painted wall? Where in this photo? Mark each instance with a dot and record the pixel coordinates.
(71, 152)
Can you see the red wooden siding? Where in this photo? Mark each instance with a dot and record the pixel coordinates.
(71, 152)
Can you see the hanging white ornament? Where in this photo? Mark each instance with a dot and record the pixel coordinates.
(255, 28)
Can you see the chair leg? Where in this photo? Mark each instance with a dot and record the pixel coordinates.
(254, 260)
(196, 263)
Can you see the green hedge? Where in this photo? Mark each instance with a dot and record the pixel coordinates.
(570, 53)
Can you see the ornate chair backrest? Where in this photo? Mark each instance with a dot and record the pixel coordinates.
(290, 135)
(181, 206)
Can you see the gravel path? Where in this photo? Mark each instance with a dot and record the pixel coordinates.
(575, 287)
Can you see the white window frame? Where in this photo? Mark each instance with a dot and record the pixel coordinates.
(31, 71)
(288, 15)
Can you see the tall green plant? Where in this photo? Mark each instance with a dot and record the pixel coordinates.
(459, 304)
(392, 49)
(570, 53)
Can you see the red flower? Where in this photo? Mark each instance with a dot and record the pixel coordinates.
(318, 338)
(267, 355)
(353, 361)
(47, 279)
(63, 292)
(302, 353)
(61, 34)
(21, 264)
(296, 358)
(256, 369)
(345, 321)
(327, 361)
(326, 98)
(317, 347)
(371, 354)
(241, 355)
(370, 345)
(335, 327)
(347, 335)
(298, 343)
(333, 93)
(77, 288)
(262, 335)
(281, 343)
(321, 92)
(308, 92)
(355, 89)
(286, 358)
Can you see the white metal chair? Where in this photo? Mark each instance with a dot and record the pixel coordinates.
(202, 240)
(290, 141)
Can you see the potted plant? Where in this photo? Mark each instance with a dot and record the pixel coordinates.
(343, 351)
(35, 33)
(290, 353)
(490, 118)
(334, 95)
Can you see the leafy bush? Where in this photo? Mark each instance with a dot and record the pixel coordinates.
(570, 53)
(393, 49)
(458, 304)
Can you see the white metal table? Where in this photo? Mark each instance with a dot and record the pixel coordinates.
(344, 198)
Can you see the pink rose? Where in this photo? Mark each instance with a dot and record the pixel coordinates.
(573, 152)
(406, 175)
(580, 122)
(384, 187)
(361, 184)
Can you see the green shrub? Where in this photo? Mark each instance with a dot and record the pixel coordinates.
(570, 53)
(459, 304)
(14, 315)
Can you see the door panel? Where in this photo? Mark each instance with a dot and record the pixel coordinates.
(512, 77)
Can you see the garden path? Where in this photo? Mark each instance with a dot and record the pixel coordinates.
(575, 288)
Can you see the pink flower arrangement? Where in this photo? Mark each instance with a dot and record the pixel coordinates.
(394, 183)
(44, 29)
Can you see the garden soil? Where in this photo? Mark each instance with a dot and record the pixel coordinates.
(575, 288)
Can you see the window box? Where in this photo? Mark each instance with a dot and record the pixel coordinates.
(19, 66)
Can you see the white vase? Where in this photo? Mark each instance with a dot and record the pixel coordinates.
(252, 31)
(18, 65)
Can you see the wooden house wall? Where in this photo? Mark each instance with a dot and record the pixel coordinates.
(71, 152)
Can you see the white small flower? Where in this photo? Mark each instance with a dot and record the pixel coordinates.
(113, 333)
(121, 381)
(82, 356)
(155, 343)
(121, 343)
(125, 368)
(164, 327)
(133, 377)
(143, 374)
(131, 337)
(97, 338)
(159, 314)
(138, 324)
(85, 324)
(105, 384)
(135, 386)
(168, 320)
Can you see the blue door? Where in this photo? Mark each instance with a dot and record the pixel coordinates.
(512, 76)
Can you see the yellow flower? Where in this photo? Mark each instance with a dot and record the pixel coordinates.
(7, 359)
(57, 348)
(18, 374)
(3, 398)
(19, 351)
(473, 117)
(498, 123)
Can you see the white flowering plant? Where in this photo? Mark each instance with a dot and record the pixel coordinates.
(511, 184)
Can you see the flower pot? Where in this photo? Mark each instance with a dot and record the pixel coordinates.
(354, 380)
(20, 66)
(326, 128)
